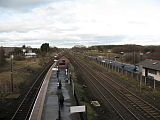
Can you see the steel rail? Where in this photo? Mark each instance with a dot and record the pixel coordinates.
(152, 112)
(84, 68)
(24, 109)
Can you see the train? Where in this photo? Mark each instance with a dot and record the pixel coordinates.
(63, 63)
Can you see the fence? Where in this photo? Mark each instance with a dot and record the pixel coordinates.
(130, 75)
(82, 115)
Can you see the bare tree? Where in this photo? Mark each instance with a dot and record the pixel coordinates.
(2, 56)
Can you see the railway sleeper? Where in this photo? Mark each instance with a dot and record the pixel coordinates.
(155, 113)
(133, 104)
(152, 114)
(145, 114)
(146, 107)
(145, 110)
(142, 105)
(148, 116)
(149, 109)
(138, 101)
(157, 116)
(138, 105)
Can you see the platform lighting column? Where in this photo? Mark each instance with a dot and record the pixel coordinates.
(122, 60)
(141, 58)
(23, 50)
(141, 54)
(154, 84)
(145, 81)
(109, 51)
(140, 81)
(113, 66)
(105, 63)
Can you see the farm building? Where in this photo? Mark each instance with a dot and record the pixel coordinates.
(151, 68)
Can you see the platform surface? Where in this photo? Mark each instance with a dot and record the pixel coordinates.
(51, 105)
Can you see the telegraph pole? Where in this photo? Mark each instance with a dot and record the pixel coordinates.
(140, 81)
(12, 73)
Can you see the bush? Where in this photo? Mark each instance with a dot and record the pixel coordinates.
(19, 58)
(2, 56)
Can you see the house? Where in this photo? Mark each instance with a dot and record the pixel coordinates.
(151, 69)
(30, 54)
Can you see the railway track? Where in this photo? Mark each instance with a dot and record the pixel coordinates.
(147, 111)
(141, 105)
(25, 107)
(126, 104)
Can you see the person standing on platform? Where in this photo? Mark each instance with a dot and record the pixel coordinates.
(57, 73)
(61, 99)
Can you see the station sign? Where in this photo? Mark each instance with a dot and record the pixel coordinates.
(55, 69)
(75, 109)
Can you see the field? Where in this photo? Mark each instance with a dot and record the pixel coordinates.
(105, 53)
(23, 74)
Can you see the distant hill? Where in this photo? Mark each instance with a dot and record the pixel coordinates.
(150, 52)
(127, 48)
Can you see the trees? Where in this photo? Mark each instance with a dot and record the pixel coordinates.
(18, 54)
(54, 49)
(18, 51)
(45, 47)
(2, 56)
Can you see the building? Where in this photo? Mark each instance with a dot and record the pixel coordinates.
(151, 69)
(30, 55)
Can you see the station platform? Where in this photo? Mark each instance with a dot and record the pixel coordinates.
(47, 105)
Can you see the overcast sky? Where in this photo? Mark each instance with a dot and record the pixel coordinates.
(65, 23)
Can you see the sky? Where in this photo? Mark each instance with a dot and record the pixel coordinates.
(65, 23)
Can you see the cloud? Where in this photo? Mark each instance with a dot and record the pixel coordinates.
(33, 39)
(53, 17)
(69, 22)
(16, 4)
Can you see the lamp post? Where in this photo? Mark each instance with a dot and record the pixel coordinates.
(140, 81)
(109, 51)
(122, 56)
(12, 56)
(24, 50)
(141, 54)
(122, 61)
